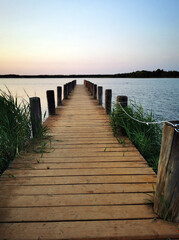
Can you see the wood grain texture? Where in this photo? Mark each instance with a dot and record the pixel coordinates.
(167, 192)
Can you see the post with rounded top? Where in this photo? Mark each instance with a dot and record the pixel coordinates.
(91, 90)
(88, 85)
(166, 200)
(100, 95)
(73, 84)
(123, 100)
(108, 97)
(95, 91)
(51, 102)
(36, 115)
(59, 96)
(71, 87)
(65, 91)
(68, 89)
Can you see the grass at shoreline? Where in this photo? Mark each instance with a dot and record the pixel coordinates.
(15, 128)
(146, 138)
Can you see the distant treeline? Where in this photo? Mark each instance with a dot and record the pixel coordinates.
(159, 73)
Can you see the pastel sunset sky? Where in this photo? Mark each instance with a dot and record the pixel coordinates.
(88, 36)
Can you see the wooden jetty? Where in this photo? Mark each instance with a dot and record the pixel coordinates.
(87, 186)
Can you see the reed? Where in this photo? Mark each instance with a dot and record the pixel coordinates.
(15, 128)
(147, 138)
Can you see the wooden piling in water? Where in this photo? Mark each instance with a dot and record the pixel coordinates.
(108, 97)
(36, 115)
(123, 100)
(92, 87)
(68, 90)
(166, 201)
(65, 91)
(59, 96)
(95, 91)
(70, 87)
(51, 102)
(100, 95)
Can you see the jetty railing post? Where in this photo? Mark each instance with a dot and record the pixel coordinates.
(51, 102)
(88, 85)
(95, 91)
(166, 201)
(68, 89)
(108, 97)
(73, 84)
(123, 100)
(65, 91)
(59, 96)
(92, 86)
(36, 115)
(70, 85)
(100, 95)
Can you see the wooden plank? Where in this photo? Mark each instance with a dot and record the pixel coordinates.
(37, 158)
(74, 153)
(77, 189)
(78, 172)
(76, 213)
(78, 165)
(121, 230)
(74, 200)
(78, 180)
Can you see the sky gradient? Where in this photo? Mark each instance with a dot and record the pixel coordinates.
(88, 36)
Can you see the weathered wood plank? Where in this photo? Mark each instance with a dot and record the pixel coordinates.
(77, 189)
(122, 230)
(39, 159)
(78, 165)
(78, 172)
(76, 213)
(74, 200)
(78, 180)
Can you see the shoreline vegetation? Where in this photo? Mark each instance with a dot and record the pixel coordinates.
(146, 138)
(159, 73)
(16, 130)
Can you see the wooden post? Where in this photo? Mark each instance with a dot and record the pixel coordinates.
(59, 96)
(123, 100)
(100, 95)
(95, 91)
(88, 85)
(65, 91)
(51, 102)
(36, 115)
(166, 201)
(70, 87)
(73, 84)
(108, 97)
(92, 87)
(68, 90)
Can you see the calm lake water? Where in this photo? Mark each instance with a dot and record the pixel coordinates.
(160, 95)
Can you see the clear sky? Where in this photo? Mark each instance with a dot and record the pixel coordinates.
(88, 36)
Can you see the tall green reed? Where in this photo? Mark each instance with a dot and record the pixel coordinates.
(15, 128)
(147, 138)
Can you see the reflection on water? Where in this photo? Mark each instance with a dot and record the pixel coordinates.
(160, 95)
